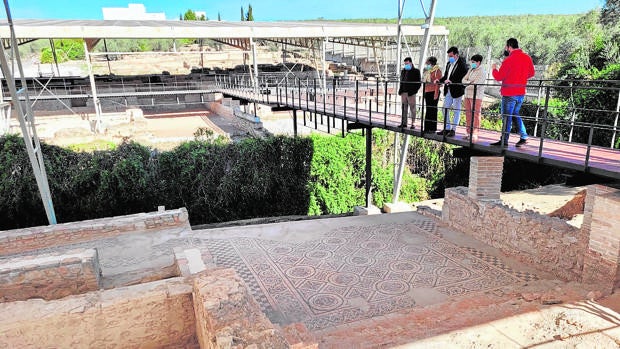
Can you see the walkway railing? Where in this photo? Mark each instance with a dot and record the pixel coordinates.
(561, 116)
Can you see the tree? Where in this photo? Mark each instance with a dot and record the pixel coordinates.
(242, 14)
(219, 18)
(250, 15)
(610, 12)
(202, 18)
(189, 15)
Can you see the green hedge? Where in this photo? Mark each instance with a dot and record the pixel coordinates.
(215, 181)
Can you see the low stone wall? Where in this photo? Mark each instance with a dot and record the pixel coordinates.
(547, 242)
(30, 239)
(154, 315)
(227, 315)
(49, 276)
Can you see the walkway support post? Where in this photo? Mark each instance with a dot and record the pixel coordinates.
(368, 166)
(93, 87)
(403, 152)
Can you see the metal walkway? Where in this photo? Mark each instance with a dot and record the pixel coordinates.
(363, 104)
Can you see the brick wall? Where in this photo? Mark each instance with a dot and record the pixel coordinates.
(602, 222)
(227, 313)
(547, 242)
(485, 177)
(49, 276)
(153, 315)
(30, 239)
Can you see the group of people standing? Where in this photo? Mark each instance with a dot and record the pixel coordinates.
(460, 82)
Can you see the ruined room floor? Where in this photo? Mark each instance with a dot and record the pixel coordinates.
(378, 282)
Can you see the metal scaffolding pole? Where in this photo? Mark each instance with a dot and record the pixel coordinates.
(26, 120)
(324, 63)
(403, 151)
(93, 88)
(255, 64)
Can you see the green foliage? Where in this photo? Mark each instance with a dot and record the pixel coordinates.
(242, 14)
(546, 38)
(249, 16)
(215, 181)
(596, 60)
(189, 15)
(66, 50)
(337, 181)
(336, 174)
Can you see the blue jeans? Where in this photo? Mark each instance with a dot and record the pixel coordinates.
(454, 104)
(510, 108)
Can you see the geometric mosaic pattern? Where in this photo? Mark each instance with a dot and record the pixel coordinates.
(356, 272)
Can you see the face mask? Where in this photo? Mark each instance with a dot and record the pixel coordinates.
(428, 67)
(407, 66)
(451, 60)
(506, 53)
(474, 65)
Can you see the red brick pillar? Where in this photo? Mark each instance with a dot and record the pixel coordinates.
(485, 177)
(601, 265)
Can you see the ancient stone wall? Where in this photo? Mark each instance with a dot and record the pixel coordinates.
(547, 242)
(153, 315)
(49, 276)
(602, 221)
(227, 315)
(30, 239)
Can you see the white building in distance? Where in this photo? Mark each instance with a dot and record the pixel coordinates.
(131, 12)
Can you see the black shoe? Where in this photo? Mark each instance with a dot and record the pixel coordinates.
(450, 133)
(521, 142)
(498, 144)
(412, 127)
(442, 132)
(403, 125)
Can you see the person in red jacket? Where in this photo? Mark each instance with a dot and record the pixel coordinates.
(516, 69)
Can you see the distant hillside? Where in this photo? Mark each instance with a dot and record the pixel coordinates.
(544, 37)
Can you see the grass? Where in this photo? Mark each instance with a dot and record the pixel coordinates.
(98, 144)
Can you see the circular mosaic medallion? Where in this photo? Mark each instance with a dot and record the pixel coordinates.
(281, 249)
(318, 254)
(344, 279)
(325, 301)
(414, 249)
(453, 273)
(408, 266)
(373, 245)
(267, 273)
(300, 272)
(392, 287)
(333, 241)
(360, 261)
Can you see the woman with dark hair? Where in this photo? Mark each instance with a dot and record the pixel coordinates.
(474, 81)
(432, 72)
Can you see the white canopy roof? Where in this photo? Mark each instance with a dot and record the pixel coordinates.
(114, 29)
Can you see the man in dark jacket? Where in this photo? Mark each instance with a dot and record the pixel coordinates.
(453, 90)
(409, 85)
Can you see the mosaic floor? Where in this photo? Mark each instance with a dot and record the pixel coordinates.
(358, 272)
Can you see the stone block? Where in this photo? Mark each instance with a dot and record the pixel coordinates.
(400, 206)
(224, 309)
(34, 238)
(49, 276)
(150, 315)
(365, 211)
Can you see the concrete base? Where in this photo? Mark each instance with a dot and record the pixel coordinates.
(400, 206)
(366, 211)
